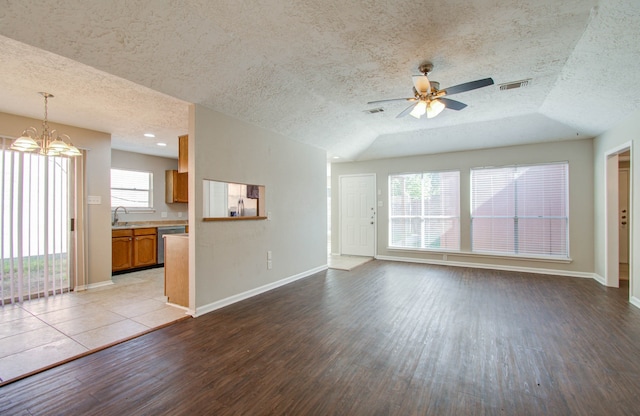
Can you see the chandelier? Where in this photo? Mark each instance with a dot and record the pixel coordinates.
(45, 143)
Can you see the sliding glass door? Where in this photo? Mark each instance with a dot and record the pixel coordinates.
(35, 222)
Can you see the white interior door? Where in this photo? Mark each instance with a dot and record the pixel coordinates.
(623, 209)
(357, 215)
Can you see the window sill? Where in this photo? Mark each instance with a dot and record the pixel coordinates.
(545, 259)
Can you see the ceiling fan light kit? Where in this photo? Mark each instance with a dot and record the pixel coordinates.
(429, 99)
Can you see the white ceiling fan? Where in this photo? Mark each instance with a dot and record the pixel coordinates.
(429, 99)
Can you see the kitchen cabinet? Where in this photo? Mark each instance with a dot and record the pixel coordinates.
(145, 247)
(183, 153)
(133, 248)
(121, 250)
(176, 187)
(176, 269)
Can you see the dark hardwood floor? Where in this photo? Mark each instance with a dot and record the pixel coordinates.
(384, 339)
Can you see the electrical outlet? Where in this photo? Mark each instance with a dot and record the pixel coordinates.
(179, 214)
(269, 265)
(269, 255)
(163, 214)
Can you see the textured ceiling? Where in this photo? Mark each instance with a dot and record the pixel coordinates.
(306, 69)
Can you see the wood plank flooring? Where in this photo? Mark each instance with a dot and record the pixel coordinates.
(383, 339)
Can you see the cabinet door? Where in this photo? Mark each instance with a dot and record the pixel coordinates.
(181, 190)
(144, 250)
(183, 153)
(121, 249)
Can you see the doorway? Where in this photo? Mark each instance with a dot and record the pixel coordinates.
(623, 222)
(618, 183)
(357, 215)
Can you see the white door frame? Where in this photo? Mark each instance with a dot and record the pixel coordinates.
(611, 253)
(375, 219)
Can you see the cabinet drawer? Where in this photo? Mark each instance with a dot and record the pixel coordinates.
(122, 233)
(145, 231)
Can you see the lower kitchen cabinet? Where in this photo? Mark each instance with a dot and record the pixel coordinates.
(145, 247)
(121, 250)
(133, 248)
(176, 269)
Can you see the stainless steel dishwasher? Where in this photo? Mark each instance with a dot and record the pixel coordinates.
(174, 229)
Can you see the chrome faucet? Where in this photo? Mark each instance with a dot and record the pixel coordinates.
(115, 215)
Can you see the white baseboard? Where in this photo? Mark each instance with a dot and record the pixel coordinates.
(599, 279)
(253, 292)
(634, 301)
(554, 272)
(80, 288)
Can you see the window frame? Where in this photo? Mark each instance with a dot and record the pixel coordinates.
(516, 253)
(149, 191)
(422, 217)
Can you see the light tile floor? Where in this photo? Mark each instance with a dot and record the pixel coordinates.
(346, 262)
(40, 333)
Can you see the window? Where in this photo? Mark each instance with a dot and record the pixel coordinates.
(131, 189)
(425, 210)
(520, 210)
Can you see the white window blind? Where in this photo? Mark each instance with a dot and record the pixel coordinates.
(34, 225)
(520, 210)
(425, 210)
(131, 189)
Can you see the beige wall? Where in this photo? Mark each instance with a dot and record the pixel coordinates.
(627, 132)
(228, 259)
(579, 153)
(157, 165)
(98, 182)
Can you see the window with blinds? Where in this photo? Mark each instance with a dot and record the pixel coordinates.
(131, 189)
(521, 210)
(424, 210)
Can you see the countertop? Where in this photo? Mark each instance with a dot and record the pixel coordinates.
(184, 235)
(147, 224)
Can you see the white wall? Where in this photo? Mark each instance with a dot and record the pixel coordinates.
(579, 153)
(157, 165)
(228, 260)
(98, 183)
(627, 132)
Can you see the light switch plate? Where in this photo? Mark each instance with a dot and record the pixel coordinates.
(94, 200)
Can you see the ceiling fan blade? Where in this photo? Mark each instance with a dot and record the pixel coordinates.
(407, 110)
(392, 99)
(468, 86)
(422, 84)
(452, 104)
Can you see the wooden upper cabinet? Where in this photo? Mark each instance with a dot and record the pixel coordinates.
(183, 153)
(176, 187)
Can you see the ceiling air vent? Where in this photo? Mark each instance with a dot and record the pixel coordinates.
(515, 84)
(374, 110)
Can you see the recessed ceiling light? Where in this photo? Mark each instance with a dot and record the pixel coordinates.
(149, 135)
(161, 144)
(336, 157)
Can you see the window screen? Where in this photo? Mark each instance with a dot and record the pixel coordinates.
(520, 210)
(131, 189)
(425, 210)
